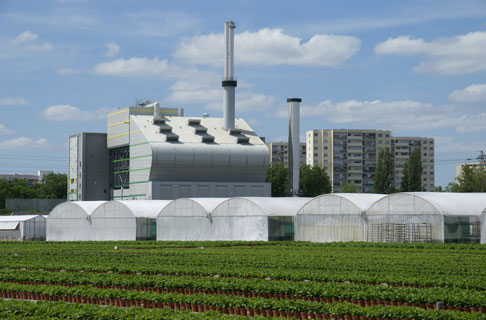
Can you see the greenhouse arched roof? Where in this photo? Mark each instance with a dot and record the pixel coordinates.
(191, 207)
(71, 207)
(260, 206)
(340, 203)
(445, 203)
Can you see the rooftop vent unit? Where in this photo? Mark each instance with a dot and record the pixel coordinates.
(172, 137)
(207, 139)
(194, 122)
(158, 121)
(165, 129)
(243, 139)
(201, 130)
(234, 132)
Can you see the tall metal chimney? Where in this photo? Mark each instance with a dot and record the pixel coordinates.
(229, 82)
(294, 145)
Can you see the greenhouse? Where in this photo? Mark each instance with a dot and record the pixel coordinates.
(426, 217)
(126, 220)
(187, 219)
(483, 227)
(255, 218)
(334, 217)
(71, 221)
(23, 227)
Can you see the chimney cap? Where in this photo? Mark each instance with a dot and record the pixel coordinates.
(294, 100)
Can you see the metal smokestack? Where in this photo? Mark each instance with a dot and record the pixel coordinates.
(294, 145)
(229, 82)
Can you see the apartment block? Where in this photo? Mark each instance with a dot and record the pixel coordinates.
(279, 153)
(402, 148)
(350, 155)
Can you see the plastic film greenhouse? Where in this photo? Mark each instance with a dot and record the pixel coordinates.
(23, 227)
(426, 217)
(256, 218)
(71, 221)
(334, 217)
(187, 219)
(126, 220)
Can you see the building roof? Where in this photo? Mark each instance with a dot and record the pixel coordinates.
(187, 133)
(19, 218)
(361, 202)
(260, 206)
(445, 203)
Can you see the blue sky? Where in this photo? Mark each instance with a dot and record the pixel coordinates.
(414, 67)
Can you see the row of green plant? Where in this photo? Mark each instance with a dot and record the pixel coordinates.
(242, 302)
(366, 263)
(450, 297)
(27, 310)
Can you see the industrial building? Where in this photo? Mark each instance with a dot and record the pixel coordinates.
(23, 227)
(350, 155)
(335, 217)
(88, 175)
(153, 153)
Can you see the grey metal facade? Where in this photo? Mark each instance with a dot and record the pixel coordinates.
(88, 174)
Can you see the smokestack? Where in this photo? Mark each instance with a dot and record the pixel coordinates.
(229, 82)
(294, 144)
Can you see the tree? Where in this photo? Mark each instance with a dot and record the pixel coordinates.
(348, 188)
(412, 173)
(383, 173)
(278, 176)
(53, 186)
(314, 181)
(452, 187)
(472, 179)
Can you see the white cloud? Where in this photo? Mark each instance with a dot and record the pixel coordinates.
(450, 144)
(270, 47)
(25, 143)
(454, 55)
(26, 41)
(112, 49)
(24, 37)
(13, 101)
(133, 67)
(4, 130)
(67, 71)
(473, 93)
(404, 115)
(70, 113)
(204, 88)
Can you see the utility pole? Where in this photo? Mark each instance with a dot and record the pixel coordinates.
(482, 158)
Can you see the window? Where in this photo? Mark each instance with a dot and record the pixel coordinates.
(315, 134)
(325, 148)
(380, 142)
(315, 154)
(315, 148)
(325, 155)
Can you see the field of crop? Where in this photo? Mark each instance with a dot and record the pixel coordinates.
(227, 280)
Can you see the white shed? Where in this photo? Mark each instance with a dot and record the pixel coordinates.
(427, 217)
(126, 220)
(334, 217)
(256, 218)
(187, 219)
(23, 227)
(71, 221)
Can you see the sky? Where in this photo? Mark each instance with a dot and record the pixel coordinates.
(416, 68)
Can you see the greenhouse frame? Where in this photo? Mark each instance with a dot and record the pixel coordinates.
(426, 217)
(23, 227)
(126, 220)
(256, 218)
(334, 217)
(71, 221)
(187, 219)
